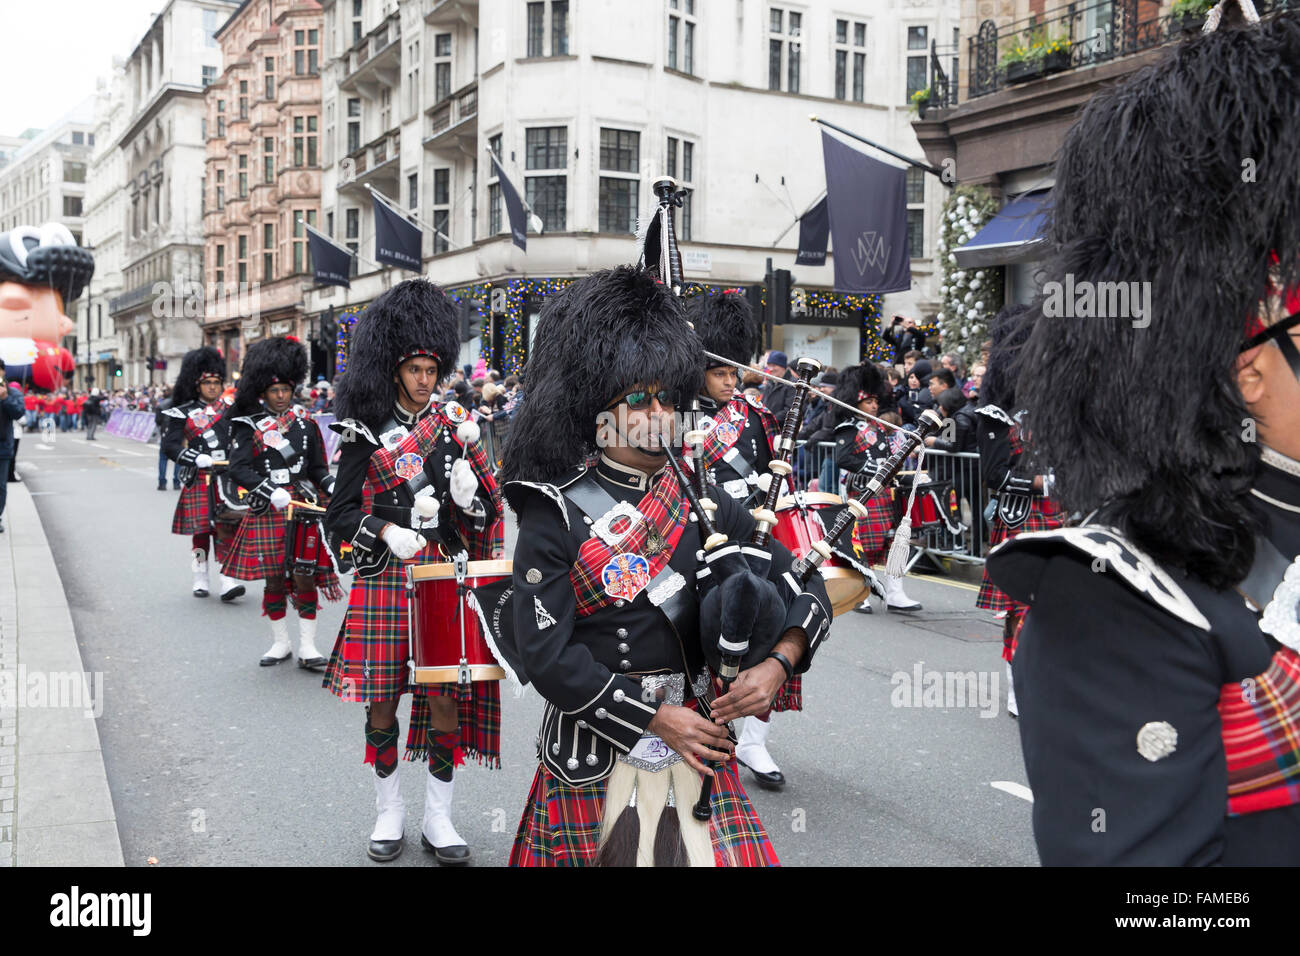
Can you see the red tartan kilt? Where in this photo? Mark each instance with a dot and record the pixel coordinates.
(191, 515)
(258, 553)
(1044, 515)
(561, 824)
(871, 535)
(790, 696)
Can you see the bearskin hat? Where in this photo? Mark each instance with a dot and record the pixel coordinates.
(1180, 184)
(266, 363)
(725, 324)
(414, 317)
(857, 381)
(47, 256)
(595, 339)
(196, 364)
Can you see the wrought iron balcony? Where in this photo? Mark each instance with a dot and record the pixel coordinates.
(1074, 36)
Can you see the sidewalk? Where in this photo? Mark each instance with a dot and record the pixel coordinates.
(55, 805)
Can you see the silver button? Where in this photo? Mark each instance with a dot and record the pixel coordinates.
(625, 665)
(623, 648)
(582, 724)
(621, 632)
(591, 760)
(572, 763)
(620, 603)
(555, 748)
(618, 695)
(601, 713)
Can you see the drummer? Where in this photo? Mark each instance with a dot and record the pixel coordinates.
(277, 454)
(740, 441)
(414, 487)
(860, 445)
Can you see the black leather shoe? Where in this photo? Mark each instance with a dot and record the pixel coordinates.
(864, 608)
(162, 486)
(236, 591)
(313, 663)
(385, 851)
(895, 609)
(767, 781)
(447, 855)
(269, 661)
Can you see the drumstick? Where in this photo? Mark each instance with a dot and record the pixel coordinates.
(305, 506)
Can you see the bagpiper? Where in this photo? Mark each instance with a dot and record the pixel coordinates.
(1021, 494)
(277, 456)
(605, 606)
(413, 482)
(197, 439)
(860, 445)
(1158, 667)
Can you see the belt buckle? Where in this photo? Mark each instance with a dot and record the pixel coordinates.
(602, 528)
(280, 476)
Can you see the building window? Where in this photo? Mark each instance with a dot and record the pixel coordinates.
(559, 28)
(304, 141)
(916, 40)
(354, 124)
(545, 151)
(784, 28)
(241, 260)
(221, 263)
(268, 252)
(221, 118)
(850, 59)
(74, 172)
(243, 175)
(243, 99)
(385, 108)
(915, 179)
(681, 166)
(681, 35)
(351, 223)
(301, 258)
(221, 189)
(72, 206)
(306, 49)
(268, 77)
(356, 21)
(412, 76)
(209, 75)
(268, 160)
(620, 152)
(441, 209)
(536, 29)
(441, 67)
(209, 28)
(412, 191)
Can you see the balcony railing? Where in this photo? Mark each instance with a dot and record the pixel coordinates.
(452, 110)
(1074, 36)
(372, 45)
(375, 153)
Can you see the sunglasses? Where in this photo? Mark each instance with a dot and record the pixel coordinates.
(640, 398)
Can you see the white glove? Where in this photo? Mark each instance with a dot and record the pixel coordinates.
(280, 499)
(463, 483)
(403, 542)
(203, 461)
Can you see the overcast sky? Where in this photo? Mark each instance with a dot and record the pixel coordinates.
(55, 49)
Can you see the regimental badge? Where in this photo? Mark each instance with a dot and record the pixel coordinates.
(455, 413)
(870, 436)
(408, 465)
(754, 401)
(654, 542)
(625, 576)
(273, 439)
(726, 433)
(544, 617)
(1157, 740)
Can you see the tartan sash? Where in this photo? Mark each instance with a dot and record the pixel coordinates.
(729, 423)
(284, 426)
(201, 419)
(865, 440)
(1260, 723)
(665, 519)
(390, 467)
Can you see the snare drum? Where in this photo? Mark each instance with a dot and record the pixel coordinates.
(305, 550)
(933, 507)
(797, 528)
(447, 644)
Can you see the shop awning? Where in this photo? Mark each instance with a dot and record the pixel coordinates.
(1013, 235)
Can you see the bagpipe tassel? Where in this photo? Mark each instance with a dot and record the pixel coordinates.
(619, 838)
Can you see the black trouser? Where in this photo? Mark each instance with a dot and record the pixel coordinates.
(5, 465)
(92, 422)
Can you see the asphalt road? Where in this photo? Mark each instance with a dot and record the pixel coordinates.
(213, 760)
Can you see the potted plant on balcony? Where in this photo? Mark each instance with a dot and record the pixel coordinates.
(921, 102)
(1056, 54)
(1022, 63)
(1189, 15)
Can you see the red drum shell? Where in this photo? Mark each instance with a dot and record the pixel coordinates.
(845, 586)
(435, 622)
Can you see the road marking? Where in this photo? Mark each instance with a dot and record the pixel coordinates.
(44, 447)
(29, 466)
(35, 493)
(936, 579)
(1015, 789)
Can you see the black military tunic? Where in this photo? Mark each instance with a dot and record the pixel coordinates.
(589, 668)
(737, 471)
(300, 466)
(213, 440)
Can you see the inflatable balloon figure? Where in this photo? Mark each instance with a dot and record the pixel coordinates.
(42, 271)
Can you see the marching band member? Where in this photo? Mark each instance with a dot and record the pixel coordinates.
(860, 445)
(277, 455)
(1021, 494)
(1158, 665)
(197, 438)
(412, 480)
(605, 607)
(739, 443)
